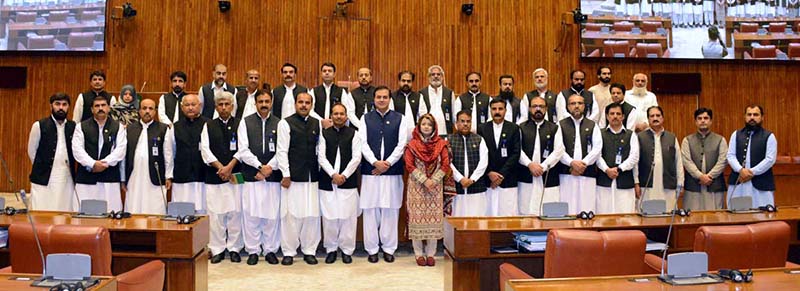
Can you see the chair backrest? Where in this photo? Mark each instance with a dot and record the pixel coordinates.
(748, 27)
(623, 26)
(760, 245)
(645, 49)
(80, 40)
(650, 26)
(593, 26)
(794, 50)
(25, 17)
(41, 42)
(613, 47)
(89, 15)
(58, 16)
(94, 241)
(582, 253)
(764, 52)
(779, 27)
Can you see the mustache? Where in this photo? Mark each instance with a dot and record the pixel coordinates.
(497, 115)
(101, 111)
(264, 107)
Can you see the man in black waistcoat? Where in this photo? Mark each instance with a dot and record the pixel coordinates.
(507, 94)
(503, 145)
(187, 170)
(83, 104)
(752, 153)
(619, 156)
(246, 99)
(540, 81)
(298, 136)
(339, 155)
(328, 94)
(438, 100)
(474, 101)
(469, 163)
(405, 101)
(577, 87)
(207, 91)
(50, 151)
(169, 110)
(363, 96)
(284, 94)
(541, 147)
(659, 173)
(144, 163)
(99, 145)
(218, 145)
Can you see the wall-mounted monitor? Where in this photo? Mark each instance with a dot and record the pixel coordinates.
(52, 25)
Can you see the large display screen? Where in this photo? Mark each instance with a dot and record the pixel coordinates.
(52, 25)
(691, 29)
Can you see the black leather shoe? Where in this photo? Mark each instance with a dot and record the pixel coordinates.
(346, 259)
(271, 258)
(215, 259)
(331, 258)
(388, 258)
(235, 258)
(311, 260)
(373, 258)
(252, 259)
(287, 261)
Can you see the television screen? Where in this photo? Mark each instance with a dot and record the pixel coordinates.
(52, 25)
(691, 29)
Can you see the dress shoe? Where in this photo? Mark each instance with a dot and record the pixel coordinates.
(218, 258)
(287, 261)
(271, 258)
(252, 259)
(431, 261)
(346, 258)
(373, 258)
(311, 260)
(331, 258)
(421, 262)
(388, 258)
(235, 258)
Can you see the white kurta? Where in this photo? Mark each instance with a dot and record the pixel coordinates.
(641, 103)
(502, 201)
(249, 105)
(457, 107)
(339, 203)
(142, 195)
(436, 98)
(613, 200)
(474, 204)
(383, 191)
(760, 197)
(658, 192)
(579, 191)
(214, 89)
(59, 193)
(77, 113)
(562, 110)
(162, 111)
(194, 192)
(347, 101)
(221, 198)
(110, 192)
(301, 199)
(287, 105)
(259, 199)
(532, 195)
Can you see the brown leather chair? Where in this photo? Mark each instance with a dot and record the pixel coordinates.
(650, 26)
(593, 26)
(91, 240)
(37, 42)
(642, 50)
(25, 17)
(89, 15)
(763, 52)
(796, 159)
(613, 47)
(623, 26)
(794, 50)
(510, 272)
(748, 27)
(58, 16)
(81, 40)
(779, 27)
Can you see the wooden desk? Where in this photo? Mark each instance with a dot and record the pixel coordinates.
(106, 283)
(140, 239)
(637, 20)
(742, 41)
(766, 279)
(17, 31)
(594, 39)
(469, 261)
(733, 23)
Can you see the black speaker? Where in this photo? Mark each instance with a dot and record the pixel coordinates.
(13, 77)
(676, 83)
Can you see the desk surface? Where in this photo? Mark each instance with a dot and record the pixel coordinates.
(151, 223)
(106, 283)
(628, 18)
(623, 36)
(745, 36)
(767, 279)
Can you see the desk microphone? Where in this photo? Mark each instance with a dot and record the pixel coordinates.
(646, 182)
(8, 175)
(35, 233)
(161, 186)
(544, 187)
(669, 232)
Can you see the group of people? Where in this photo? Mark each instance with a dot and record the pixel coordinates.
(704, 13)
(269, 167)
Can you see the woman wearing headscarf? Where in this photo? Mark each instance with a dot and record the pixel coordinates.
(428, 163)
(126, 111)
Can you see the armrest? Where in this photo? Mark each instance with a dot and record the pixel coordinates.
(654, 262)
(149, 276)
(788, 265)
(666, 54)
(511, 272)
(7, 270)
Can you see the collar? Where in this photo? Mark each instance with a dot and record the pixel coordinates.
(251, 94)
(178, 95)
(542, 91)
(577, 92)
(223, 87)
(98, 123)
(496, 125)
(405, 94)
(145, 125)
(538, 123)
(475, 93)
(303, 118)
(326, 86)
(656, 133)
(382, 113)
(56, 121)
(225, 121)
(621, 130)
(263, 118)
(576, 120)
(289, 88)
(101, 93)
(701, 135)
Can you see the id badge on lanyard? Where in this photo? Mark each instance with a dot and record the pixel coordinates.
(618, 159)
(503, 149)
(232, 146)
(154, 149)
(271, 143)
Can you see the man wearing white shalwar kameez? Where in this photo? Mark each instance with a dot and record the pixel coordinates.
(615, 183)
(659, 152)
(541, 148)
(339, 155)
(146, 138)
(752, 153)
(186, 171)
(469, 160)
(218, 147)
(261, 193)
(50, 151)
(99, 145)
(578, 170)
(298, 135)
(503, 148)
(385, 135)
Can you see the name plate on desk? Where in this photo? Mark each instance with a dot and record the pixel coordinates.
(91, 208)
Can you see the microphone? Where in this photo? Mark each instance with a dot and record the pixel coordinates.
(142, 90)
(76, 195)
(8, 175)
(35, 233)
(161, 186)
(669, 233)
(649, 178)
(544, 186)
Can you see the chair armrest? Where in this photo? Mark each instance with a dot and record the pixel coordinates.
(654, 262)
(511, 272)
(7, 270)
(149, 276)
(788, 265)
(666, 54)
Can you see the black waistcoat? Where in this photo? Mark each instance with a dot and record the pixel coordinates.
(220, 138)
(155, 139)
(341, 140)
(277, 98)
(259, 145)
(88, 98)
(46, 150)
(364, 99)
(189, 165)
(208, 98)
(91, 136)
(547, 136)
(303, 137)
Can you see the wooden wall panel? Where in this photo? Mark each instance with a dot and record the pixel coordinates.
(502, 36)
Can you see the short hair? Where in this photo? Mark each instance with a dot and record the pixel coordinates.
(430, 69)
(297, 98)
(760, 109)
(500, 80)
(713, 33)
(473, 73)
(497, 100)
(655, 107)
(546, 74)
(264, 92)
(618, 86)
(403, 72)
(97, 73)
(221, 95)
(614, 105)
(339, 105)
(572, 73)
(537, 97)
(600, 69)
(179, 74)
(288, 65)
(382, 87)
(59, 96)
(702, 110)
(327, 64)
(463, 112)
(100, 98)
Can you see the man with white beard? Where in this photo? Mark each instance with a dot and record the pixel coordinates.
(639, 97)
(438, 100)
(540, 77)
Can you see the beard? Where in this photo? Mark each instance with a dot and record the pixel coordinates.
(436, 83)
(578, 87)
(507, 95)
(177, 89)
(639, 91)
(541, 85)
(538, 116)
(59, 115)
(605, 80)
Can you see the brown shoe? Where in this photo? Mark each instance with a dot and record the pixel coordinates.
(431, 262)
(421, 262)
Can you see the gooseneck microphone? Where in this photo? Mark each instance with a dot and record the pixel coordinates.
(669, 231)
(161, 186)
(649, 179)
(35, 233)
(8, 175)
